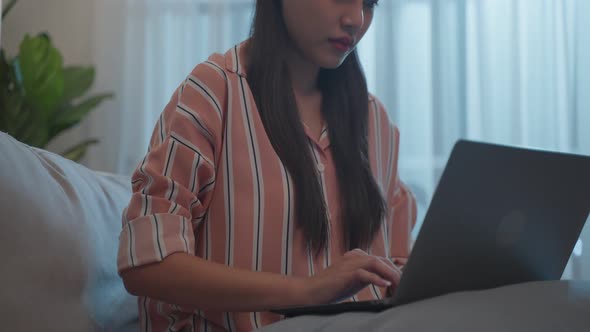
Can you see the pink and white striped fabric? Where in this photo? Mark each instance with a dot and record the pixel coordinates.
(211, 185)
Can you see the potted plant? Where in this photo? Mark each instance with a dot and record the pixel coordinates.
(40, 98)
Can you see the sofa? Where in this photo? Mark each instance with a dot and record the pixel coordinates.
(58, 244)
(58, 247)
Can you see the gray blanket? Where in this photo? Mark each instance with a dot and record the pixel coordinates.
(538, 306)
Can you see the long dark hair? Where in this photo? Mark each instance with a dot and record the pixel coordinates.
(345, 110)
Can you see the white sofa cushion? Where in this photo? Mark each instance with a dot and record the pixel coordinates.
(548, 306)
(58, 244)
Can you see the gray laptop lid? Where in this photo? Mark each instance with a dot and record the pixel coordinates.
(500, 215)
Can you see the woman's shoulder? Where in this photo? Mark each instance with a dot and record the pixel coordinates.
(209, 77)
(382, 130)
(379, 114)
(376, 106)
(211, 70)
(214, 74)
(207, 87)
(222, 66)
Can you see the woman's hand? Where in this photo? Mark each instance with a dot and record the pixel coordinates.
(351, 273)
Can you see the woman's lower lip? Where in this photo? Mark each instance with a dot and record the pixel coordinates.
(342, 47)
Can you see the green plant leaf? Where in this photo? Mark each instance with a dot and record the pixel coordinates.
(4, 71)
(35, 133)
(39, 97)
(4, 92)
(22, 120)
(69, 116)
(12, 114)
(77, 152)
(12, 104)
(77, 80)
(41, 66)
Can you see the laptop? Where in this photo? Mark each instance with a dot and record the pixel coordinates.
(500, 215)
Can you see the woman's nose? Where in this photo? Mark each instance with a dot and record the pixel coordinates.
(353, 17)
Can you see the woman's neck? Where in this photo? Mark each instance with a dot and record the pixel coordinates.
(304, 74)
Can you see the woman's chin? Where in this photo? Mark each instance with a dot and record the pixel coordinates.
(332, 62)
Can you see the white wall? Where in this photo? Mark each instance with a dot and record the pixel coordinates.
(69, 22)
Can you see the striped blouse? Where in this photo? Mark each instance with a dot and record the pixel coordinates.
(212, 185)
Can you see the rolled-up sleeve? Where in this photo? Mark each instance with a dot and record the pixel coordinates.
(173, 184)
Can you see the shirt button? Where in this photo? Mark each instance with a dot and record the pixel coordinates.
(321, 167)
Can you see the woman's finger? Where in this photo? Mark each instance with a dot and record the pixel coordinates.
(360, 251)
(395, 268)
(373, 265)
(366, 277)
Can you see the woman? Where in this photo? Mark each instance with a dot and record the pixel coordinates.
(270, 180)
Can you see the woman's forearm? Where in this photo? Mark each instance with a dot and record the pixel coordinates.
(193, 282)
